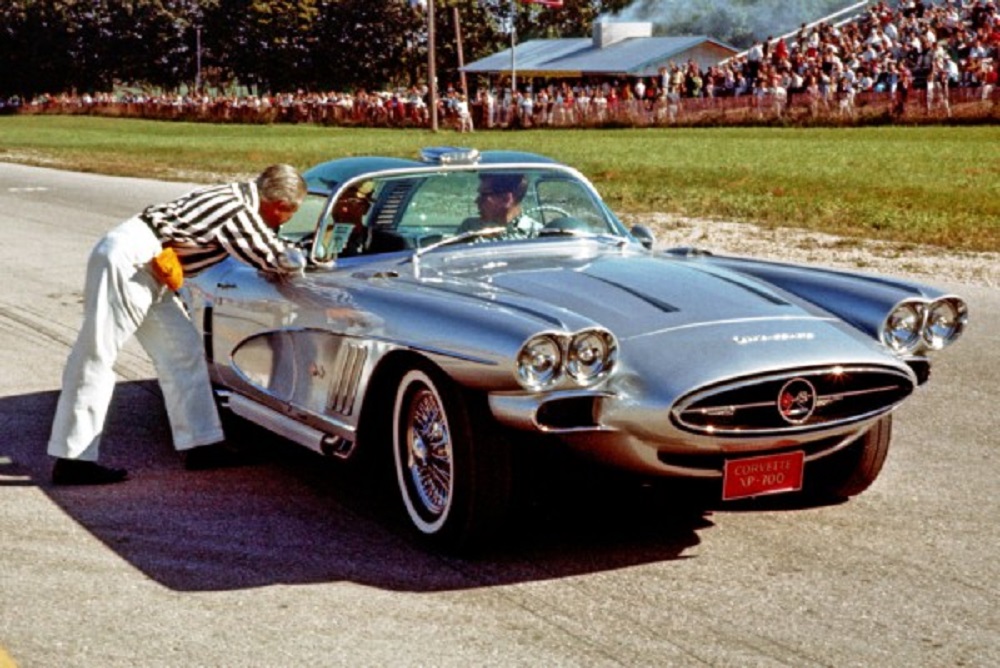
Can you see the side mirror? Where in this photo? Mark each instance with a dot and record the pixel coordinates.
(644, 235)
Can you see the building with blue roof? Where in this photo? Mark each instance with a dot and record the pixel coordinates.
(614, 50)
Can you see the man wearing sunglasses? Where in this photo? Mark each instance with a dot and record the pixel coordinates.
(499, 203)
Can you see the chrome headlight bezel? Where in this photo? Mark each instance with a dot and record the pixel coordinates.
(550, 360)
(590, 354)
(915, 326)
(540, 362)
(938, 334)
(902, 329)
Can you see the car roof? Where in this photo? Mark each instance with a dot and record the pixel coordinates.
(326, 176)
(495, 157)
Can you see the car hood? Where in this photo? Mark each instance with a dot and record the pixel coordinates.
(665, 311)
(630, 293)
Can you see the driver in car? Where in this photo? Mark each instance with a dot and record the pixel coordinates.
(499, 204)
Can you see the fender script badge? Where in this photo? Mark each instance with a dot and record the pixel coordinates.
(743, 340)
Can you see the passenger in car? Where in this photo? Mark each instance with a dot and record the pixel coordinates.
(499, 203)
(131, 278)
(351, 208)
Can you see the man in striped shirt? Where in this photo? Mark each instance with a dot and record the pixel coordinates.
(123, 297)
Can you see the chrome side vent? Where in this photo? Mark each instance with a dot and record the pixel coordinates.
(342, 391)
(793, 401)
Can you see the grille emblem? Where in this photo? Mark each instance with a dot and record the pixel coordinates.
(797, 401)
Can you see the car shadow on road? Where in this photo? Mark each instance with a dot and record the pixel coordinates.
(292, 517)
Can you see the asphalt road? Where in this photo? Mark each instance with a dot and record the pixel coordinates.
(294, 562)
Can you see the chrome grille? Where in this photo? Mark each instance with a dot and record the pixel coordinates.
(793, 401)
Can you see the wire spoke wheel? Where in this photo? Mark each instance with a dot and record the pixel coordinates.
(428, 450)
(453, 479)
(423, 452)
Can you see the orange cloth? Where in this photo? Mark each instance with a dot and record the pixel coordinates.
(166, 267)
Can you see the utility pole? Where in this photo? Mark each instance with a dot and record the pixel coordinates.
(513, 46)
(461, 56)
(431, 69)
(197, 49)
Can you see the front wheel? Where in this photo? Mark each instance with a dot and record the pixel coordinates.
(853, 470)
(454, 482)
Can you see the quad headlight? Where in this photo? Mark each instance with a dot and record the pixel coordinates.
(540, 362)
(589, 354)
(917, 325)
(902, 328)
(944, 322)
(547, 360)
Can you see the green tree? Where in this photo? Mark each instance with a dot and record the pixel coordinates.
(88, 45)
(265, 42)
(363, 44)
(481, 27)
(35, 53)
(279, 45)
(155, 41)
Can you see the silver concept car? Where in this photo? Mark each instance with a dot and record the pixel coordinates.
(424, 329)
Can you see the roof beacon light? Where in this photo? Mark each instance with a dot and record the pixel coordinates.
(449, 155)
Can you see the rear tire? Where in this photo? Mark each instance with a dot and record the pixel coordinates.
(452, 473)
(855, 468)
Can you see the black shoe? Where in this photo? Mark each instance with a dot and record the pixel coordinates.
(207, 457)
(80, 472)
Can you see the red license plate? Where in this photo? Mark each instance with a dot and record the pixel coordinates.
(769, 474)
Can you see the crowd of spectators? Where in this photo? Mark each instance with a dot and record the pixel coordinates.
(401, 107)
(889, 49)
(911, 54)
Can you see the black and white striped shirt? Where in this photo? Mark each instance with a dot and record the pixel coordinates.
(207, 225)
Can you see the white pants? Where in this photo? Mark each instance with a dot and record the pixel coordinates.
(121, 298)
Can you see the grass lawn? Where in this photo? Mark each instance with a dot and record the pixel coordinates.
(935, 185)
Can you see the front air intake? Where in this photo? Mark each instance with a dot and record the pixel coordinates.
(793, 401)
